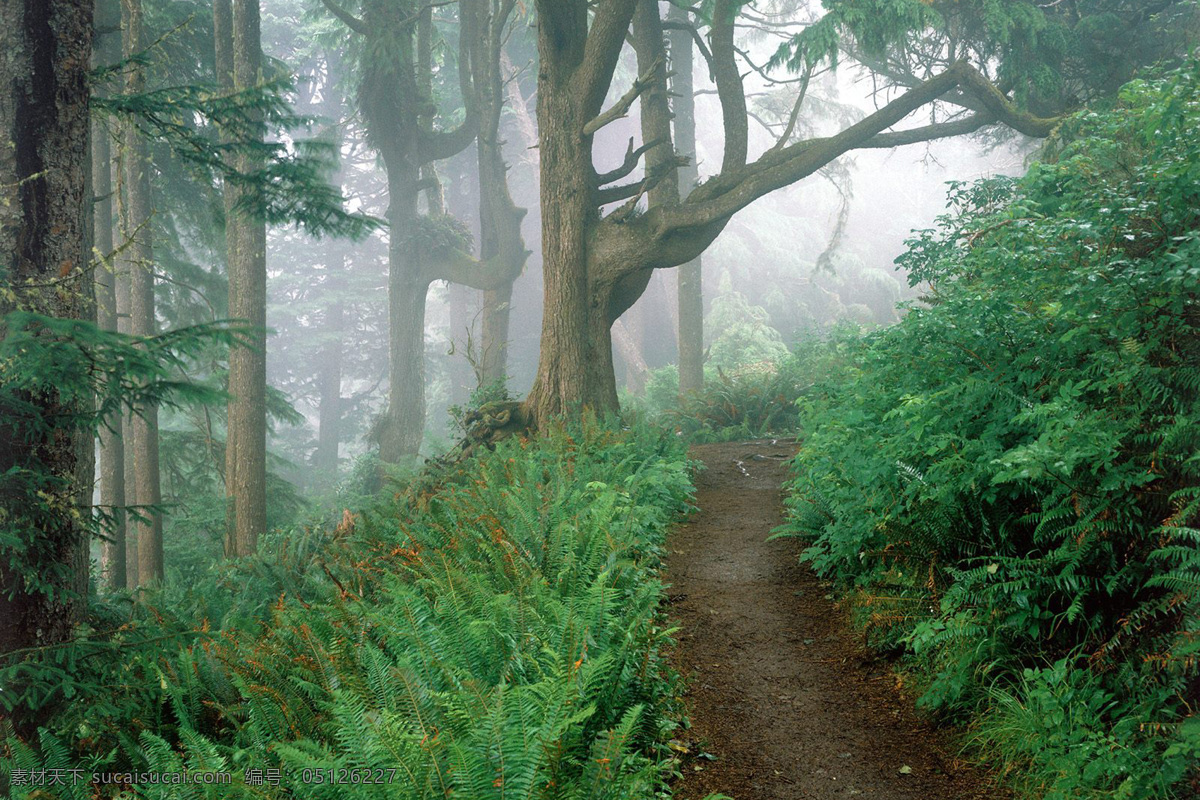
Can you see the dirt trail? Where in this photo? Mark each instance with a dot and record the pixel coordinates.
(781, 692)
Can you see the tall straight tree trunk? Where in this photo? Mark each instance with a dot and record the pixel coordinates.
(112, 445)
(148, 527)
(122, 283)
(44, 252)
(329, 376)
(691, 291)
(123, 266)
(239, 58)
(338, 260)
(404, 423)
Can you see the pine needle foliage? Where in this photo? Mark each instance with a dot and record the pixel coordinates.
(498, 636)
(1007, 483)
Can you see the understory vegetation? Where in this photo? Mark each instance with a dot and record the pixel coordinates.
(746, 403)
(1006, 484)
(496, 634)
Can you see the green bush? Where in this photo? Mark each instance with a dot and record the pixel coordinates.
(1007, 481)
(498, 636)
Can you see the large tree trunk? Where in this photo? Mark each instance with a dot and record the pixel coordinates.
(138, 212)
(44, 238)
(691, 292)
(112, 444)
(239, 59)
(396, 109)
(575, 367)
(403, 426)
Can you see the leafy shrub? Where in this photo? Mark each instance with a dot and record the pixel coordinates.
(499, 636)
(742, 406)
(1007, 480)
(753, 401)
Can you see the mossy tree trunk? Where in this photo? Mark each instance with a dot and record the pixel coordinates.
(44, 255)
(398, 108)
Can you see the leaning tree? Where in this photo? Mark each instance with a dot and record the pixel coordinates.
(599, 258)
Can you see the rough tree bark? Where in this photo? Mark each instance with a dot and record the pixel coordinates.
(239, 67)
(112, 445)
(44, 253)
(574, 71)
(123, 264)
(147, 527)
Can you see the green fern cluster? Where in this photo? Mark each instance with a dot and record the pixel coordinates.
(755, 401)
(1007, 481)
(498, 637)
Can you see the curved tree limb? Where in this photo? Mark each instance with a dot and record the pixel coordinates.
(730, 192)
(620, 109)
(632, 158)
(928, 133)
(730, 89)
(352, 22)
(602, 50)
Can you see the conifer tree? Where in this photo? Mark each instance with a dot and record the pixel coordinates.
(239, 67)
(137, 230)
(107, 52)
(44, 257)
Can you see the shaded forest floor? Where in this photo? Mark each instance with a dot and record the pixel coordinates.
(781, 691)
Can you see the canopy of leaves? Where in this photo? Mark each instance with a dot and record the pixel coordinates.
(1052, 56)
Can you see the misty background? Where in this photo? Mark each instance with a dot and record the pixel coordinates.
(792, 265)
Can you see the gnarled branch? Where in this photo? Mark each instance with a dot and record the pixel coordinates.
(632, 158)
(621, 108)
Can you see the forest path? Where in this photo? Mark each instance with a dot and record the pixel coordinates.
(781, 692)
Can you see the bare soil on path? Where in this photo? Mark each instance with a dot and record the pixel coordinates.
(781, 691)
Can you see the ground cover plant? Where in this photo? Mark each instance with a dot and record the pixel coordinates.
(1006, 483)
(496, 636)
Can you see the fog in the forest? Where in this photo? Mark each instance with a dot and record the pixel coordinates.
(794, 264)
(599, 398)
